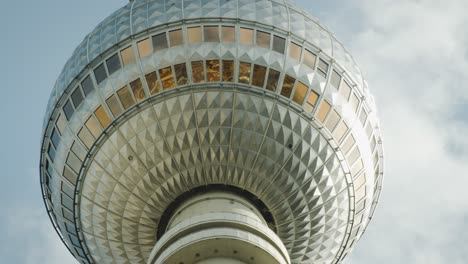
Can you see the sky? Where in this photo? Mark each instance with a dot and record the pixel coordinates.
(414, 54)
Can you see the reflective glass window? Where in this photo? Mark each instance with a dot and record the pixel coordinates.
(340, 131)
(295, 51)
(288, 85)
(167, 78)
(360, 194)
(228, 71)
(345, 90)
(125, 97)
(160, 42)
(102, 116)
(55, 138)
(353, 156)
(198, 72)
(335, 79)
(258, 78)
(138, 91)
(73, 162)
(68, 109)
(69, 175)
(49, 168)
(212, 70)
(311, 101)
(86, 137)
(263, 39)
(68, 215)
(373, 143)
(78, 150)
(100, 73)
(323, 111)
(348, 144)
(128, 57)
(300, 93)
(51, 152)
(246, 36)
(87, 85)
(369, 129)
(144, 48)
(357, 167)
(194, 35)
(68, 191)
(323, 66)
(273, 78)
(181, 74)
(363, 116)
(153, 82)
(354, 101)
(244, 72)
(278, 44)
(332, 120)
(309, 59)
(113, 104)
(67, 202)
(77, 97)
(74, 241)
(93, 125)
(70, 228)
(113, 63)
(61, 123)
(211, 33)
(228, 34)
(176, 38)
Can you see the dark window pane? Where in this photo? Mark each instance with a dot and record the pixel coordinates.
(181, 74)
(138, 91)
(198, 72)
(51, 152)
(228, 71)
(258, 78)
(246, 36)
(125, 97)
(228, 34)
(77, 97)
(211, 34)
(55, 138)
(300, 93)
(100, 73)
(114, 106)
(144, 48)
(113, 63)
(127, 55)
(244, 72)
(278, 44)
(153, 82)
(87, 85)
(273, 78)
(167, 78)
(309, 59)
(160, 41)
(263, 39)
(288, 85)
(212, 70)
(70, 228)
(194, 35)
(176, 37)
(68, 109)
(75, 241)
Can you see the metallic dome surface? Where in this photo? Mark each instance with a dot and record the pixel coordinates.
(167, 96)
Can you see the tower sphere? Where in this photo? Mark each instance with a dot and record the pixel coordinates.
(209, 131)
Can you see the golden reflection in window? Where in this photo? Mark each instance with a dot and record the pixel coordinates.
(278, 44)
(153, 83)
(181, 74)
(113, 104)
(212, 70)
(273, 78)
(345, 90)
(354, 101)
(125, 97)
(228, 34)
(340, 131)
(300, 93)
(61, 123)
(128, 57)
(167, 78)
(138, 91)
(309, 59)
(211, 33)
(335, 79)
(295, 51)
(311, 101)
(244, 72)
(228, 71)
(160, 41)
(332, 120)
(246, 36)
(102, 116)
(194, 35)
(176, 38)
(144, 48)
(93, 126)
(323, 111)
(258, 78)
(86, 137)
(263, 39)
(288, 85)
(348, 144)
(198, 72)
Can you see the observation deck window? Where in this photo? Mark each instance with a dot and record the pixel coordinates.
(288, 85)
(87, 85)
(128, 57)
(176, 38)
(137, 89)
(113, 104)
(144, 48)
(258, 78)
(228, 34)
(345, 90)
(323, 111)
(340, 131)
(212, 70)
(68, 109)
(113, 64)
(300, 93)
(125, 97)
(278, 44)
(167, 78)
(263, 39)
(181, 73)
(295, 51)
(228, 71)
(198, 72)
(93, 126)
(194, 35)
(311, 101)
(160, 42)
(335, 79)
(55, 138)
(102, 116)
(273, 78)
(246, 36)
(77, 97)
(153, 82)
(211, 33)
(86, 137)
(100, 73)
(244, 72)
(310, 59)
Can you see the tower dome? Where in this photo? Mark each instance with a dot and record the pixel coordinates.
(189, 131)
